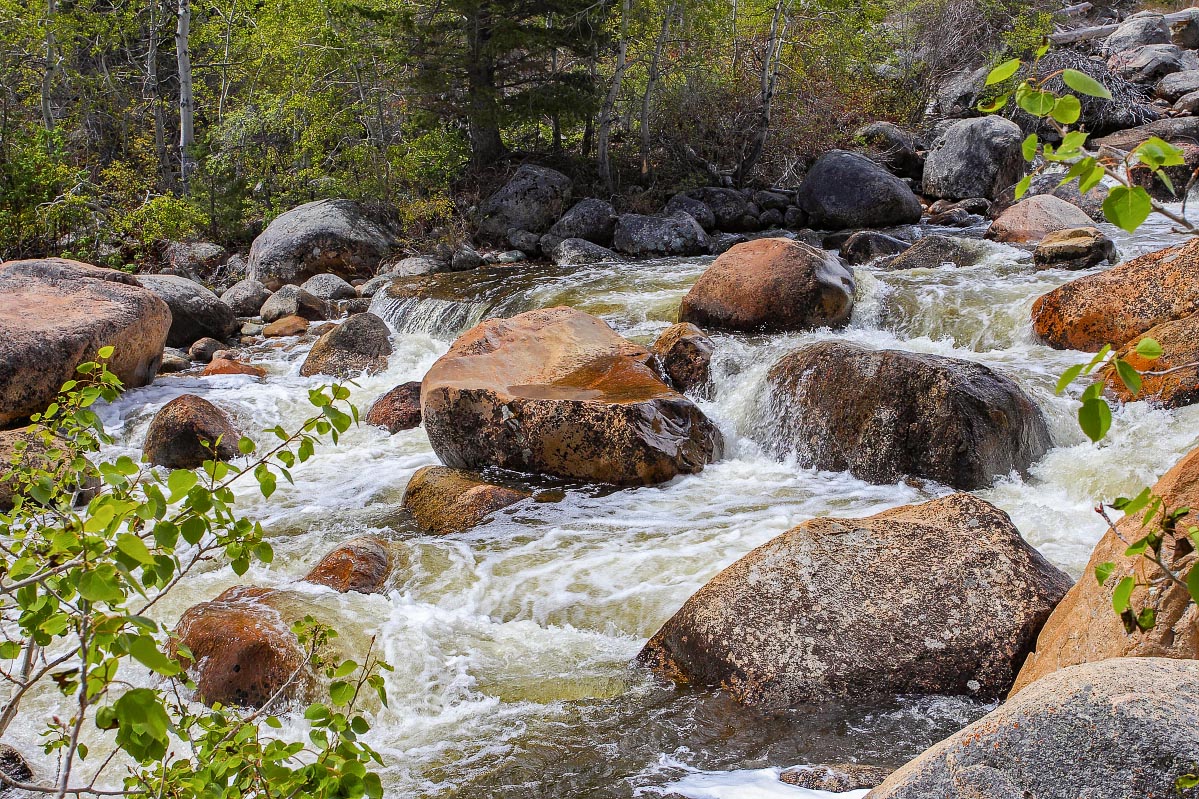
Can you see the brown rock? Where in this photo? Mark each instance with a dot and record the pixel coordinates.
(1180, 350)
(361, 564)
(944, 597)
(1084, 628)
(558, 392)
(686, 355)
(886, 414)
(228, 366)
(358, 345)
(35, 454)
(771, 285)
(1031, 219)
(56, 314)
(1116, 306)
(185, 433)
(1074, 248)
(287, 326)
(398, 409)
(447, 501)
(15, 767)
(836, 777)
(244, 651)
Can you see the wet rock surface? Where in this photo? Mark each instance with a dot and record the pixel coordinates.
(686, 356)
(446, 501)
(398, 409)
(359, 345)
(178, 432)
(361, 565)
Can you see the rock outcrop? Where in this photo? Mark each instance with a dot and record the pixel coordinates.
(447, 501)
(185, 432)
(558, 392)
(1110, 730)
(944, 597)
(886, 414)
(343, 237)
(770, 285)
(1170, 381)
(56, 314)
(1116, 306)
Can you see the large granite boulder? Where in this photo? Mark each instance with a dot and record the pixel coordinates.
(246, 297)
(658, 236)
(1170, 381)
(187, 431)
(359, 345)
(944, 597)
(886, 414)
(343, 237)
(1116, 306)
(558, 392)
(977, 157)
(1112, 730)
(845, 190)
(1084, 628)
(771, 285)
(56, 314)
(531, 200)
(196, 312)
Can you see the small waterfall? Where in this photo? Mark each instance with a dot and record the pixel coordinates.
(436, 317)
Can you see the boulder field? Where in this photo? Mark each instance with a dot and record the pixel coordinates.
(558, 392)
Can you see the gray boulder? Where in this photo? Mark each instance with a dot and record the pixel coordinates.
(1138, 31)
(246, 297)
(1114, 729)
(935, 251)
(959, 94)
(846, 190)
(532, 200)
(730, 208)
(1151, 62)
(419, 265)
(465, 258)
(657, 236)
(329, 288)
(579, 252)
(195, 311)
(943, 597)
(293, 301)
(770, 200)
(591, 219)
(526, 242)
(195, 258)
(339, 236)
(898, 150)
(700, 212)
(1174, 86)
(975, 158)
(358, 345)
(869, 245)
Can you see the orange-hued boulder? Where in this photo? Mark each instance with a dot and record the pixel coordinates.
(1033, 218)
(1116, 306)
(56, 314)
(245, 652)
(229, 366)
(398, 409)
(445, 501)
(1084, 628)
(685, 354)
(771, 285)
(558, 392)
(1180, 351)
(361, 564)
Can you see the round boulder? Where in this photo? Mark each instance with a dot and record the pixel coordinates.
(343, 237)
(771, 285)
(1112, 730)
(358, 345)
(245, 653)
(329, 288)
(531, 200)
(686, 356)
(1033, 218)
(1074, 248)
(1137, 31)
(398, 409)
(185, 432)
(361, 564)
(682, 204)
(977, 157)
(558, 392)
(246, 297)
(657, 236)
(845, 190)
(579, 252)
(944, 597)
(886, 414)
(56, 314)
(870, 245)
(196, 312)
(591, 220)
(293, 301)
(899, 150)
(447, 501)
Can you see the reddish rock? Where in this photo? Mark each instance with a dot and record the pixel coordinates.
(359, 345)
(187, 431)
(447, 501)
(686, 356)
(398, 409)
(228, 366)
(1180, 351)
(287, 326)
(770, 285)
(361, 564)
(56, 314)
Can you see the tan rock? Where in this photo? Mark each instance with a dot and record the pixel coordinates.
(1084, 628)
(287, 326)
(228, 366)
(1074, 248)
(446, 501)
(1031, 219)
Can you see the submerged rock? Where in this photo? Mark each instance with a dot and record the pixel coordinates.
(977, 157)
(770, 285)
(1084, 628)
(885, 415)
(245, 653)
(361, 564)
(936, 251)
(944, 597)
(835, 777)
(845, 190)
(185, 432)
(1112, 730)
(1116, 306)
(343, 237)
(195, 311)
(359, 345)
(446, 501)
(398, 409)
(558, 392)
(531, 200)
(56, 314)
(686, 356)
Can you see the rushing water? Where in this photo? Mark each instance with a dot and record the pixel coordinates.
(512, 643)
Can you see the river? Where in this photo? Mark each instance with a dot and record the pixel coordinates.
(511, 644)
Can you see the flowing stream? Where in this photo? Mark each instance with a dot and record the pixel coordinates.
(512, 643)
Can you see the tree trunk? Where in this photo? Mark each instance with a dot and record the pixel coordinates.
(769, 77)
(483, 111)
(187, 133)
(603, 135)
(655, 65)
(151, 94)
